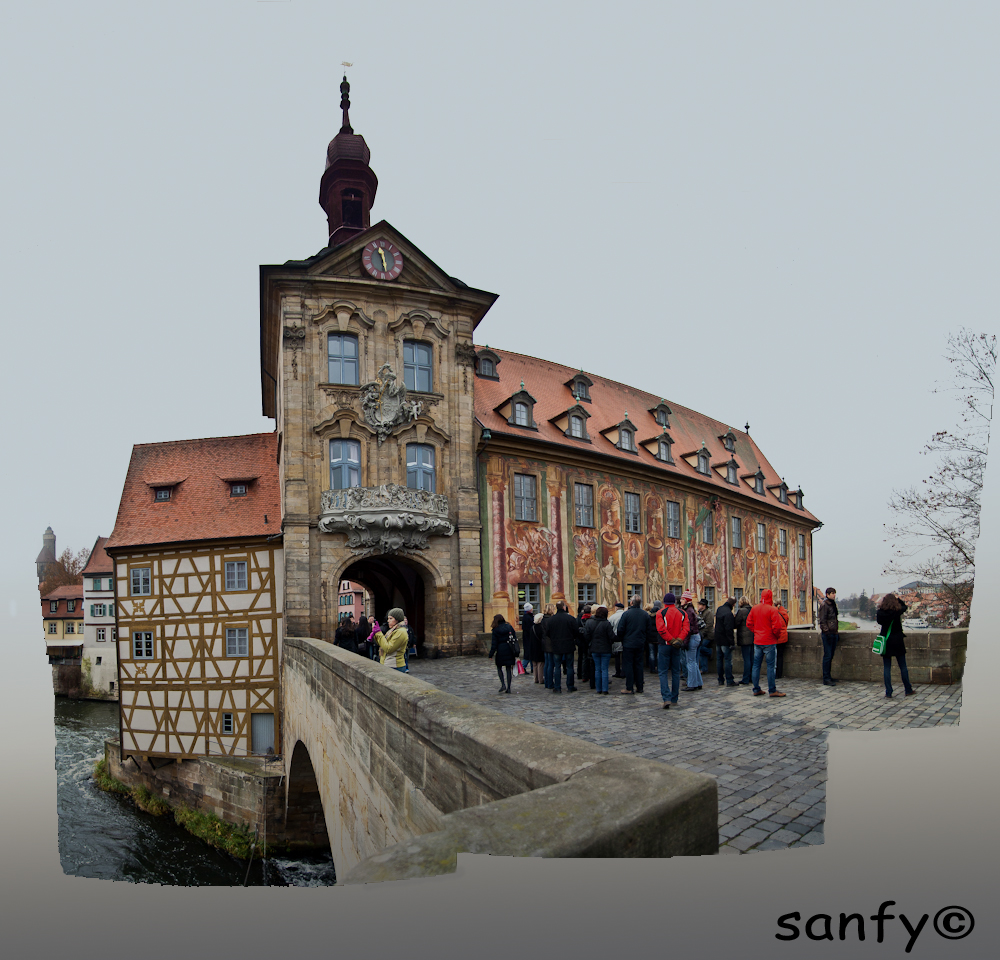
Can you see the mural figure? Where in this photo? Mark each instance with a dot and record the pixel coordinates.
(611, 521)
(610, 583)
(654, 522)
(634, 559)
(529, 553)
(585, 547)
(654, 584)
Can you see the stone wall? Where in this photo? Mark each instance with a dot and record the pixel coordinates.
(409, 776)
(236, 790)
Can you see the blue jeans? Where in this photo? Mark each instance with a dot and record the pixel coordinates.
(704, 655)
(764, 652)
(668, 662)
(694, 671)
(550, 659)
(904, 674)
(602, 663)
(724, 655)
(747, 652)
(558, 659)
(829, 648)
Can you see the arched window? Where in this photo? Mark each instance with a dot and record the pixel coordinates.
(576, 426)
(345, 464)
(661, 417)
(783, 493)
(703, 463)
(758, 483)
(627, 441)
(664, 452)
(522, 416)
(731, 473)
(486, 368)
(420, 467)
(342, 358)
(581, 389)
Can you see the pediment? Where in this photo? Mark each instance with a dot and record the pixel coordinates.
(418, 269)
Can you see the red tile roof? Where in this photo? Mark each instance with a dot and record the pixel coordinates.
(200, 507)
(68, 591)
(547, 382)
(99, 561)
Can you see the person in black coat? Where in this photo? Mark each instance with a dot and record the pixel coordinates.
(527, 631)
(725, 640)
(889, 617)
(346, 635)
(602, 636)
(505, 648)
(562, 632)
(744, 637)
(364, 629)
(632, 630)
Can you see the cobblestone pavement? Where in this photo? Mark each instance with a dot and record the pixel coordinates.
(767, 755)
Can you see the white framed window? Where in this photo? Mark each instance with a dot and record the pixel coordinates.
(101, 637)
(237, 489)
(782, 542)
(162, 493)
(237, 642)
(633, 516)
(114, 633)
(227, 723)
(69, 627)
(53, 606)
(71, 606)
(236, 574)
(673, 519)
(53, 626)
(583, 504)
(736, 525)
(345, 464)
(802, 546)
(576, 426)
(342, 358)
(528, 593)
(417, 366)
(525, 497)
(762, 538)
(141, 581)
(522, 417)
(420, 467)
(708, 529)
(142, 644)
(586, 592)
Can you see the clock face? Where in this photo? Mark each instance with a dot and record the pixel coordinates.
(382, 260)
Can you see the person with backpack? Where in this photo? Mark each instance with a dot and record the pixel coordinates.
(744, 638)
(889, 617)
(505, 648)
(694, 680)
(673, 628)
(766, 623)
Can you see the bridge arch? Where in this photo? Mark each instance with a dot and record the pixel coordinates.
(305, 822)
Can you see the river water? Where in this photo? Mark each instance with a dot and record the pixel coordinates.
(104, 835)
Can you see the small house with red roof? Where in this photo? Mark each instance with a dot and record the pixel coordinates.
(62, 629)
(198, 573)
(100, 660)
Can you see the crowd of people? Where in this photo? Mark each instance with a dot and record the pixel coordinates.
(672, 639)
(394, 646)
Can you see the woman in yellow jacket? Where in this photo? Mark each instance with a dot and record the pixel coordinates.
(392, 646)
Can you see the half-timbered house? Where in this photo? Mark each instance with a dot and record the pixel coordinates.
(198, 571)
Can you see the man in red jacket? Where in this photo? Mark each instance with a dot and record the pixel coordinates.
(673, 628)
(767, 626)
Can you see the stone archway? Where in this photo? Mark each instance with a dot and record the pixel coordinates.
(395, 581)
(305, 822)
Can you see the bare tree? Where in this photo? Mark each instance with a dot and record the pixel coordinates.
(937, 522)
(67, 570)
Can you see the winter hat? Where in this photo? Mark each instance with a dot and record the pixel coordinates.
(528, 607)
(397, 614)
(669, 599)
(686, 595)
(657, 605)
(620, 606)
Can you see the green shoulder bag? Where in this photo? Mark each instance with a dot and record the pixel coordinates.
(879, 643)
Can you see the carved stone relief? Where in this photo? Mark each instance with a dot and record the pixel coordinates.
(385, 405)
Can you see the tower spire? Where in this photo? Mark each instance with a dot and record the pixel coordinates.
(345, 105)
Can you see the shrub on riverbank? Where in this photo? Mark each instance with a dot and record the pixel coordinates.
(843, 625)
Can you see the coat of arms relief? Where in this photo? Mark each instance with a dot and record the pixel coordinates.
(385, 404)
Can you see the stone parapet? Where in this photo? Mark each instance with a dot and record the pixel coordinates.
(410, 776)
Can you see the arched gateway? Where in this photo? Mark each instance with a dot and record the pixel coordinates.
(396, 582)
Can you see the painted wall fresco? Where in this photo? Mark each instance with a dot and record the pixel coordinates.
(559, 555)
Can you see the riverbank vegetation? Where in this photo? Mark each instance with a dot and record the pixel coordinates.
(843, 625)
(234, 839)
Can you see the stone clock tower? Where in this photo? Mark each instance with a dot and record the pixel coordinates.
(367, 366)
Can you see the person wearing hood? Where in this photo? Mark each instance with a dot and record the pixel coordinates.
(694, 679)
(673, 628)
(767, 625)
(744, 637)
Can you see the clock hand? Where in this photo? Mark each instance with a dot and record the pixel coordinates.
(382, 255)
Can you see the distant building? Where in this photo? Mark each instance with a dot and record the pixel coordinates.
(63, 633)
(100, 648)
(351, 601)
(198, 572)
(46, 562)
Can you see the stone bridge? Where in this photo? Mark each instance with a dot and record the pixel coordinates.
(399, 777)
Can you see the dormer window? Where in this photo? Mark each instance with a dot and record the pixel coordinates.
(487, 364)
(486, 368)
(576, 426)
(783, 493)
(663, 451)
(626, 439)
(798, 498)
(237, 489)
(731, 473)
(661, 414)
(582, 391)
(729, 441)
(703, 463)
(758, 482)
(162, 493)
(580, 387)
(522, 415)
(518, 411)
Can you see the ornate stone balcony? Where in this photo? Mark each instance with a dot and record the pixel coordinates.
(385, 519)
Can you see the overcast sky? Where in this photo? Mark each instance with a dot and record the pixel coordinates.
(769, 212)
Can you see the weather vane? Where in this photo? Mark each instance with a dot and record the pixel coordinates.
(344, 63)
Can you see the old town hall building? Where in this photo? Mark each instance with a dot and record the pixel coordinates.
(447, 478)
